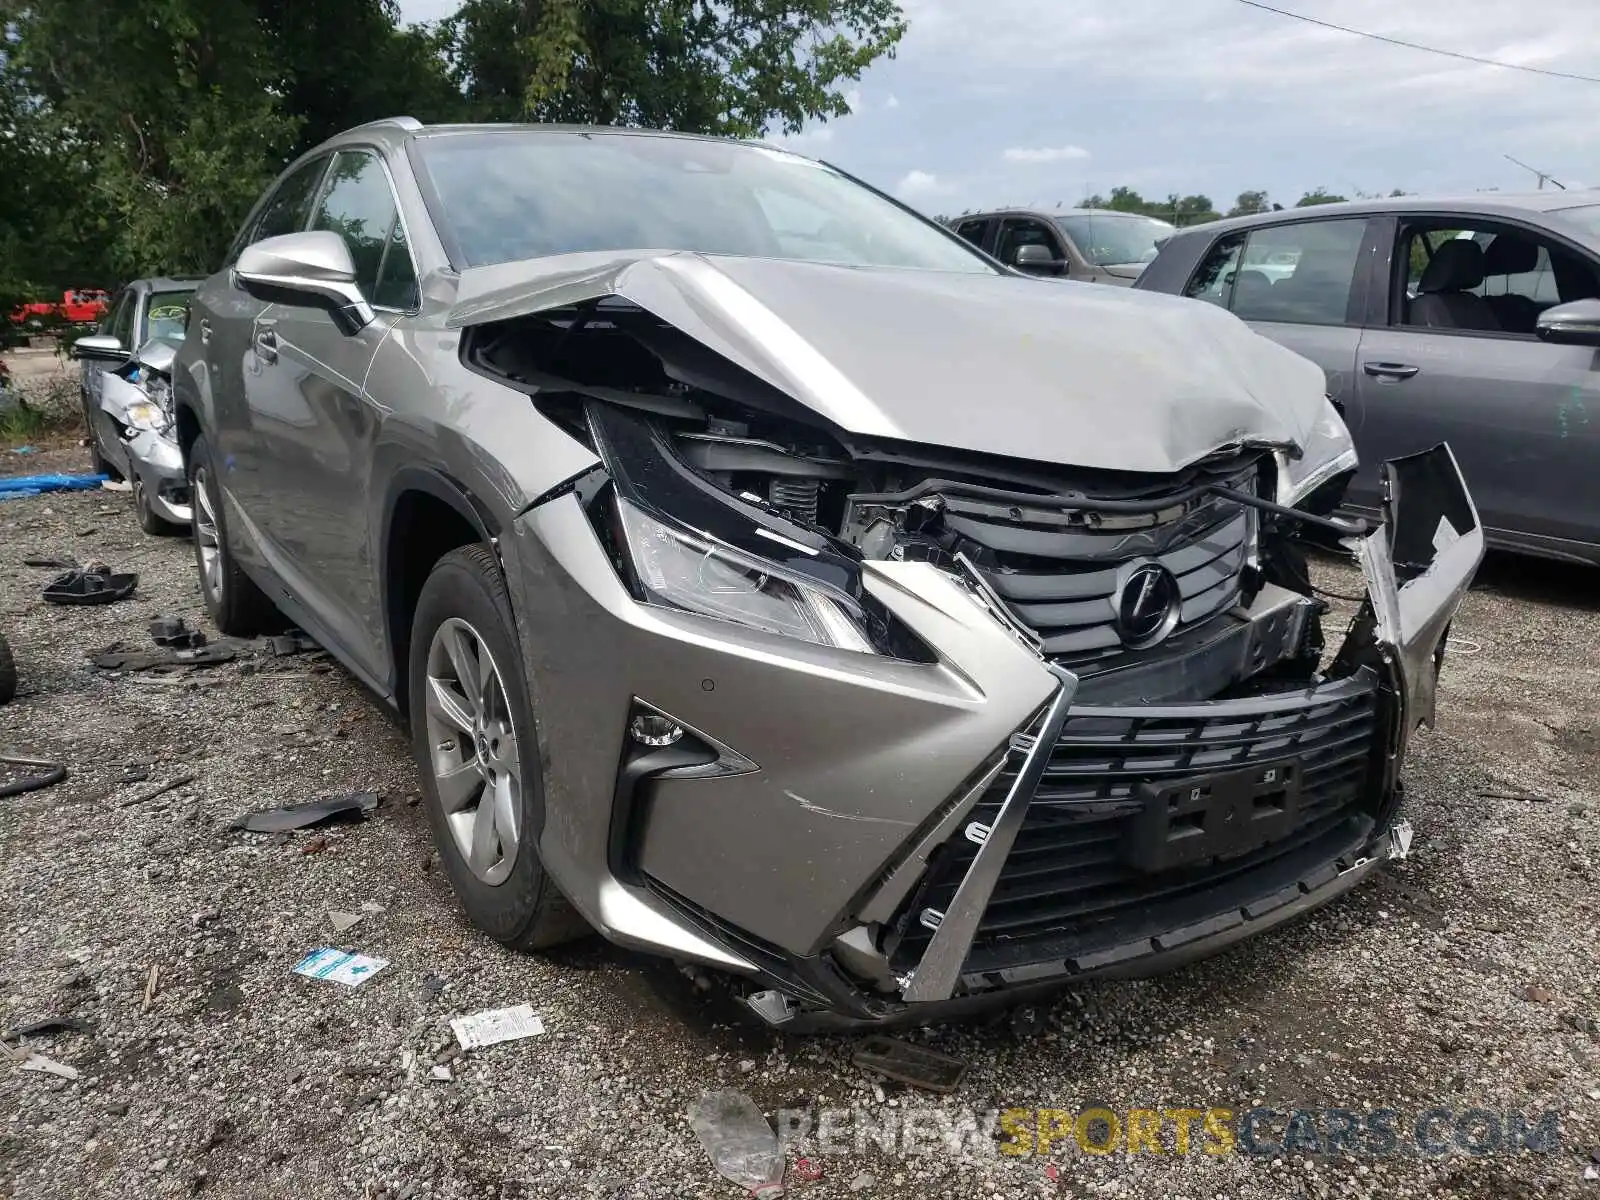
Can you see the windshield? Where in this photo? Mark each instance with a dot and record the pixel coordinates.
(518, 194)
(165, 315)
(1114, 240)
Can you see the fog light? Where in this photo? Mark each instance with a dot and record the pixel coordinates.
(651, 729)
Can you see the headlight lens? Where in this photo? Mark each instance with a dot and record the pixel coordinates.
(146, 416)
(689, 570)
(1328, 452)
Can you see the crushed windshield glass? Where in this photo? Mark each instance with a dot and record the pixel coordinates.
(526, 194)
(1114, 240)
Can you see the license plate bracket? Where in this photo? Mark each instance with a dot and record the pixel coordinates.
(1212, 817)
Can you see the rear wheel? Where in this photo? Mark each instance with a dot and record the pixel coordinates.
(236, 604)
(473, 739)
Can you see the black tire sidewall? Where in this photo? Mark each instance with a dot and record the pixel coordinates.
(457, 587)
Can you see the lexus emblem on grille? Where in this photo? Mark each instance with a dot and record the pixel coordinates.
(1148, 603)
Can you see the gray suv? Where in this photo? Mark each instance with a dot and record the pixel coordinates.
(762, 593)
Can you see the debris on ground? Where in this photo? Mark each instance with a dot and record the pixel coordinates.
(293, 642)
(336, 966)
(742, 1146)
(64, 563)
(352, 805)
(45, 1027)
(145, 798)
(174, 632)
(152, 985)
(118, 658)
(862, 1182)
(807, 1170)
(117, 485)
(85, 585)
(51, 773)
(910, 1064)
(495, 1025)
(33, 1061)
(342, 921)
(32, 485)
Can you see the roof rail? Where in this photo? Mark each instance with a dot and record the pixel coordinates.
(409, 124)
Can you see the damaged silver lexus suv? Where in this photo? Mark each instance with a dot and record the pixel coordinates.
(773, 582)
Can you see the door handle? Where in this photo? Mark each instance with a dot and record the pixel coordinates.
(1390, 370)
(205, 331)
(267, 345)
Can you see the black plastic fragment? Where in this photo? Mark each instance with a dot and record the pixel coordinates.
(52, 774)
(354, 806)
(87, 586)
(915, 1065)
(117, 658)
(293, 642)
(45, 1027)
(174, 632)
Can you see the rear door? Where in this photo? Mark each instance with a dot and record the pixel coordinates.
(1298, 283)
(1521, 415)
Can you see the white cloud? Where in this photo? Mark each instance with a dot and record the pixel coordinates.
(892, 102)
(853, 99)
(1045, 154)
(918, 183)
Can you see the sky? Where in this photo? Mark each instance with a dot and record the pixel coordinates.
(1040, 102)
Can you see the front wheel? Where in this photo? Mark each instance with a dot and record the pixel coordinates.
(236, 604)
(473, 738)
(156, 526)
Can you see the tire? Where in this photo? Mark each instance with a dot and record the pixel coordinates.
(8, 673)
(148, 520)
(507, 895)
(236, 604)
(98, 463)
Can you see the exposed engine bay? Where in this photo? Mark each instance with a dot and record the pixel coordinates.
(1148, 587)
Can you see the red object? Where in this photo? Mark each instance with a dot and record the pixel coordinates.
(78, 306)
(807, 1170)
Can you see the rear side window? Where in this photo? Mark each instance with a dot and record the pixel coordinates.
(1298, 274)
(359, 205)
(973, 231)
(290, 205)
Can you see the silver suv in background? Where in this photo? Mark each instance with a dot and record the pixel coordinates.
(1467, 319)
(1091, 245)
(761, 589)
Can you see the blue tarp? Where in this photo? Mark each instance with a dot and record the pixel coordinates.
(33, 485)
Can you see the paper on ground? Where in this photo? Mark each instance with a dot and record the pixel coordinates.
(496, 1025)
(335, 965)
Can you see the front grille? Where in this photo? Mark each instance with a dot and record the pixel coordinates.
(1058, 570)
(1066, 887)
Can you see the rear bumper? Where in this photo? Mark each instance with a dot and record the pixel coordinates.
(849, 788)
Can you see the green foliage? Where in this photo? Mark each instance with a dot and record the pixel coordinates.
(1319, 196)
(1180, 210)
(1248, 203)
(737, 67)
(135, 135)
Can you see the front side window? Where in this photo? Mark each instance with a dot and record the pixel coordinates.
(108, 323)
(359, 205)
(122, 320)
(518, 194)
(290, 205)
(1299, 274)
(1021, 232)
(1485, 277)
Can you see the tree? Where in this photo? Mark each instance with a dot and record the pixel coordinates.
(1248, 203)
(1319, 196)
(737, 67)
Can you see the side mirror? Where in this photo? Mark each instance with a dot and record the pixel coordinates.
(1037, 260)
(99, 346)
(313, 268)
(1576, 323)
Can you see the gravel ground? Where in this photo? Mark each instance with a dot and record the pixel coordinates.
(1462, 978)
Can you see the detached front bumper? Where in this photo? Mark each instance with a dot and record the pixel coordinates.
(875, 841)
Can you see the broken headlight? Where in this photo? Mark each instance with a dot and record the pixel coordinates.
(146, 415)
(1327, 454)
(692, 571)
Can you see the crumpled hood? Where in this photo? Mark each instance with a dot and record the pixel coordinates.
(1075, 374)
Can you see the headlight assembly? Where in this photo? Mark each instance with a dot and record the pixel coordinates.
(147, 415)
(1327, 454)
(692, 571)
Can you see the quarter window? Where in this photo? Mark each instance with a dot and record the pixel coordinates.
(1299, 274)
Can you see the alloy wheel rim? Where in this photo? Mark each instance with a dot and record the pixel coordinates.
(473, 751)
(207, 544)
